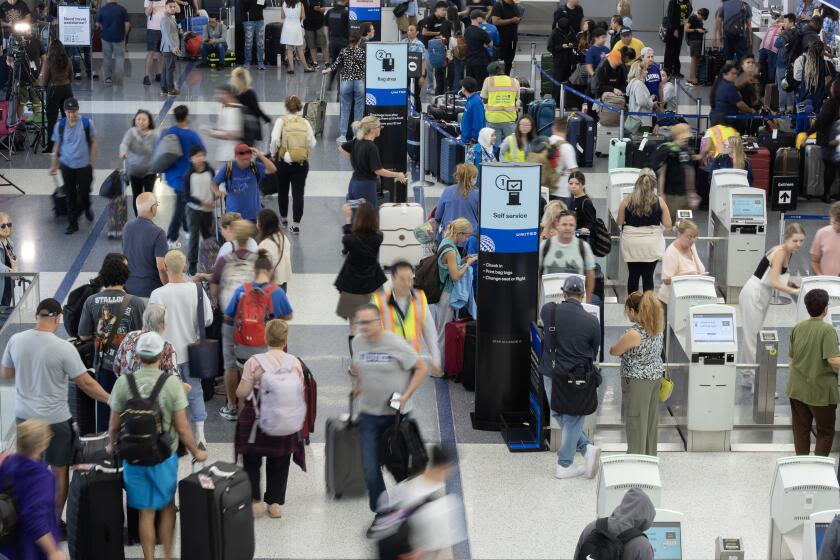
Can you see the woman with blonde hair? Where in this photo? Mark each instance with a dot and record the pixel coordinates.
(551, 216)
(451, 268)
(640, 99)
(733, 157)
(363, 155)
(771, 273)
(640, 348)
(642, 216)
(240, 81)
(8, 262)
(623, 9)
(459, 200)
(680, 258)
(284, 445)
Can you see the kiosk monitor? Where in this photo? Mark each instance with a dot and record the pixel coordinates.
(801, 485)
(713, 328)
(666, 539)
(819, 535)
(747, 207)
(830, 284)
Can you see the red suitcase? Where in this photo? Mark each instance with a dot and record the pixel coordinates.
(455, 333)
(761, 166)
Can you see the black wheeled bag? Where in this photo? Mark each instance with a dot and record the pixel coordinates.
(95, 512)
(343, 465)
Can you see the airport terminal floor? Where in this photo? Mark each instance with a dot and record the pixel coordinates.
(514, 506)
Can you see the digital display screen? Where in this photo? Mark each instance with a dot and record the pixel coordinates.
(714, 327)
(835, 321)
(747, 206)
(819, 534)
(666, 540)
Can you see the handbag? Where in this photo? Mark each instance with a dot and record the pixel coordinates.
(632, 125)
(203, 354)
(167, 152)
(401, 9)
(666, 386)
(112, 186)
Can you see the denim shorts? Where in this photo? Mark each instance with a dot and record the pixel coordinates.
(151, 487)
(153, 37)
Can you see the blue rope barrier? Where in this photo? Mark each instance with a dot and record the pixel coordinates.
(434, 125)
(805, 217)
(688, 93)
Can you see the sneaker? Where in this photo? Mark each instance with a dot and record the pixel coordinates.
(284, 222)
(571, 471)
(108, 80)
(173, 244)
(77, 76)
(371, 532)
(593, 458)
(146, 81)
(95, 76)
(258, 509)
(262, 67)
(246, 66)
(71, 230)
(164, 93)
(229, 414)
(157, 77)
(341, 139)
(174, 92)
(274, 511)
(294, 230)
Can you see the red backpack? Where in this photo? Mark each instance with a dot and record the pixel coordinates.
(254, 309)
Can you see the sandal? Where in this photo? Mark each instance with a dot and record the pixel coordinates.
(290, 71)
(308, 70)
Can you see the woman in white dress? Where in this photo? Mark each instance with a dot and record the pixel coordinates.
(292, 35)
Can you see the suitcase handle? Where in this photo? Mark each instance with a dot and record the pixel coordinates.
(215, 471)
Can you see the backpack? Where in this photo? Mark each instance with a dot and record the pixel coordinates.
(427, 278)
(229, 171)
(142, 440)
(72, 311)
(402, 450)
(791, 45)
(62, 123)
(599, 239)
(461, 49)
(253, 310)
(8, 510)
(294, 139)
(279, 405)
(237, 271)
(600, 544)
(547, 155)
(734, 18)
(392, 530)
(437, 53)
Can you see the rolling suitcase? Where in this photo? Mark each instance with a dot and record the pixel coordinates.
(433, 138)
(542, 111)
(451, 154)
(788, 162)
(813, 170)
(470, 358)
(618, 153)
(117, 216)
(82, 408)
(774, 140)
(217, 522)
(93, 450)
(580, 133)
(604, 138)
(343, 462)
(397, 223)
(273, 46)
(760, 162)
(453, 360)
(710, 66)
(95, 512)
(641, 150)
(316, 111)
(413, 139)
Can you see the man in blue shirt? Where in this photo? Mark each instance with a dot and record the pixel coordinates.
(473, 120)
(653, 77)
(728, 100)
(174, 176)
(787, 100)
(242, 177)
(74, 151)
(114, 22)
(596, 53)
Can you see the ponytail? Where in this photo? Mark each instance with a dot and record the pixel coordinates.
(648, 309)
(465, 175)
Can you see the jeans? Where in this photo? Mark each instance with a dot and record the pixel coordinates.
(178, 216)
(294, 175)
(77, 188)
(167, 77)
(76, 54)
(767, 58)
(201, 227)
(352, 93)
(363, 189)
(573, 438)
(106, 379)
(786, 99)
(276, 477)
(371, 428)
(503, 130)
(734, 48)
(254, 28)
(219, 48)
(457, 72)
(113, 60)
(195, 398)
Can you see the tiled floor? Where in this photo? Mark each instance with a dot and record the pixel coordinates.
(514, 507)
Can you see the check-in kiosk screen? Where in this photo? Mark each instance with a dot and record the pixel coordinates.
(835, 321)
(819, 534)
(714, 327)
(666, 540)
(747, 206)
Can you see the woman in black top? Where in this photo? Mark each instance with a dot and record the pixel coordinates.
(582, 205)
(56, 76)
(240, 81)
(364, 157)
(561, 45)
(9, 261)
(824, 127)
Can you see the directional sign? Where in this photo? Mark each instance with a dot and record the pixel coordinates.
(415, 61)
(784, 192)
(784, 196)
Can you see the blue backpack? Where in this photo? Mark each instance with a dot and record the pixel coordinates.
(437, 53)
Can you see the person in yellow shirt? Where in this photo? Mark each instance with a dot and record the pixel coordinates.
(627, 40)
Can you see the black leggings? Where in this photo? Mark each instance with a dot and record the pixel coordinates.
(276, 477)
(643, 270)
(55, 105)
(293, 174)
(139, 185)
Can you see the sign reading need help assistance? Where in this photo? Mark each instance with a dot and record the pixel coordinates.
(74, 26)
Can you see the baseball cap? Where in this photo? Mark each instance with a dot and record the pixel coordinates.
(625, 31)
(574, 285)
(614, 57)
(149, 345)
(48, 308)
(71, 104)
(493, 68)
(242, 151)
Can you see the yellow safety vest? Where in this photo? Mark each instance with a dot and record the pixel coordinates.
(513, 152)
(408, 326)
(720, 134)
(501, 100)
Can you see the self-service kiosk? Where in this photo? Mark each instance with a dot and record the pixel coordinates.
(703, 402)
(619, 473)
(665, 535)
(685, 293)
(802, 485)
(740, 220)
(813, 533)
(621, 183)
(833, 318)
(830, 284)
(721, 181)
(552, 286)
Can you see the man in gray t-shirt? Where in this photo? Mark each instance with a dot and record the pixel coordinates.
(41, 363)
(384, 364)
(568, 253)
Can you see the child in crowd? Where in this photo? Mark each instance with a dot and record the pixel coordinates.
(201, 191)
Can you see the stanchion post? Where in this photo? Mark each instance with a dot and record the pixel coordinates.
(621, 123)
(422, 162)
(562, 101)
(534, 67)
(699, 107)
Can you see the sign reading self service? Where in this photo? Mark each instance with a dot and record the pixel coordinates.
(366, 11)
(507, 288)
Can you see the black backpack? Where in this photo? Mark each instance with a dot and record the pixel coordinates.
(142, 440)
(791, 46)
(426, 278)
(600, 544)
(402, 450)
(599, 239)
(72, 311)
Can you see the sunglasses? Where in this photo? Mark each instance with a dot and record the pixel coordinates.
(6, 225)
(244, 153)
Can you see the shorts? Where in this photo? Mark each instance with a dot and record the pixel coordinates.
(153, 37)
(315, 38)
(63, 444)
(228, 355)
(243, 353)
(695, 48)
(151, 487)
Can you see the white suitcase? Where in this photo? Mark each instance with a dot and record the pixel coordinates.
(397, 223)
(602, 141)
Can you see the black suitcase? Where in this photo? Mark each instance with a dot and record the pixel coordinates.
(526, 95)
(641, 150)
(82, 408)
(59, 202)
(95, 512)
(343, 465)
(217, 522)
(413, 139)
(580, 133)
(273, 46)
(92, 450)
(433, 139)
(783, 139)
(711, 64)
(470, 357)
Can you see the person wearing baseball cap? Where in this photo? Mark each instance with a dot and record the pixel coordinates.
(41, 363)
(74, 153)
(151, 488)
(242, 177)
(676, 159)
(626, 39)
(568, 358)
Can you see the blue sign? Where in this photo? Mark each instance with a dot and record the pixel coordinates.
(510, 207)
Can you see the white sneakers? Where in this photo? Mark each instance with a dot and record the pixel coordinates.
(589, 470)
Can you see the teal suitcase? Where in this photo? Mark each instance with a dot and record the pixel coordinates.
(618, 153)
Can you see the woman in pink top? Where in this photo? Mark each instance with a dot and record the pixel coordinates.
(680, 258)
(825, 251)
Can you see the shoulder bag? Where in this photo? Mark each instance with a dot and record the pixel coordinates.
(203, 354)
